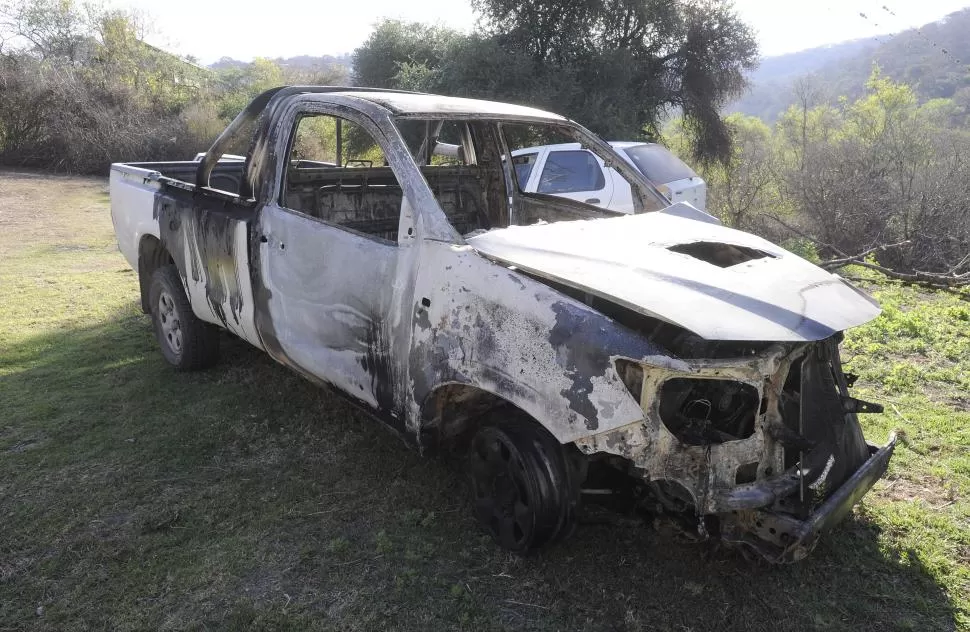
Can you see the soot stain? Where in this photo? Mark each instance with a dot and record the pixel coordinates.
(581, 361)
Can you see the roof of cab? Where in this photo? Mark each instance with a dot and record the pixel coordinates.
(615, 144)
(418, 105)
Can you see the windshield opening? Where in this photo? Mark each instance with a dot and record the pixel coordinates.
(658, 164)
(488, 174)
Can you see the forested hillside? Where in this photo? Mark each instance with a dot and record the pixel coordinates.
(933, 59)
(303, 62)
(882, 180)
(770, 85)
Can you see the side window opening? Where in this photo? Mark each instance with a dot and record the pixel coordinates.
(571, 172)
(336, 172)
(658, 164)
(523, 164)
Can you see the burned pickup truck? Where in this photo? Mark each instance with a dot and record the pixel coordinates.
(547, 339)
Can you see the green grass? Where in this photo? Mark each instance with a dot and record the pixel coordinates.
(133, 497)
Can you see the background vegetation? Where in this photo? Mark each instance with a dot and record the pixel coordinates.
(885, 176)
(80, 89)
(882, 174)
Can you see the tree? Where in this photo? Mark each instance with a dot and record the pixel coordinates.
(882, 176)
(393, 44)
(618, 66)
(51, 28)
(743, 187)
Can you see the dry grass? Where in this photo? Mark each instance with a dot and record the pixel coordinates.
(132, 497)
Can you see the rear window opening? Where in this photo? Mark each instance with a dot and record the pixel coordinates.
(658, 164)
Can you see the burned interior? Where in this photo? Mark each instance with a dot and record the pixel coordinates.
(337, 172)
(382, 243)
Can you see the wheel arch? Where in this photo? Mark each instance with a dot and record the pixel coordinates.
(152, 255)
(451, 412)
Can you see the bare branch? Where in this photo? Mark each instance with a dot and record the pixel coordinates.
(933, 280)
(838, 263)
(930, 280)
(814, 240)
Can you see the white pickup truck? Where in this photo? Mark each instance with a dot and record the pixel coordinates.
(548, 339)
(567, 170)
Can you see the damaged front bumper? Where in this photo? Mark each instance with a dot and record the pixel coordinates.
(765, 450)
(783, 539)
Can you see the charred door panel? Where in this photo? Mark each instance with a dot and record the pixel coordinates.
(324, 302)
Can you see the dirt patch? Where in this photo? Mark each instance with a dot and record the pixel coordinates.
(44, 209)
(930, 491)
(959, 402)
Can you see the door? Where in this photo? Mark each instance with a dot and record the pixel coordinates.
(576, 174)
(329, 262)
(622, 200)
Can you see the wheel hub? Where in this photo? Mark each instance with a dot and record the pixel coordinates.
(168, 318)
(500, 492)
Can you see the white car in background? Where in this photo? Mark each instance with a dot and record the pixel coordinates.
(569, 171)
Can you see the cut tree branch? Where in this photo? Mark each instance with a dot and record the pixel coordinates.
(853, 259)
(947, 281)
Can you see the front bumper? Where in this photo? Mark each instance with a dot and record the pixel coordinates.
(782, 538)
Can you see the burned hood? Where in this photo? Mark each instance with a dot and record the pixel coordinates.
(719, 283)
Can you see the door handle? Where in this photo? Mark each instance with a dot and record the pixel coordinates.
(592, 201)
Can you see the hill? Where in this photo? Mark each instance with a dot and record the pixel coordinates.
(302, 62)
(933, 59)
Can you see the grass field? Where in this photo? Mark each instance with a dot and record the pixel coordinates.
(133, 497)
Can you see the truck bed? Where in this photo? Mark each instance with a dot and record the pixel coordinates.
(225, 176)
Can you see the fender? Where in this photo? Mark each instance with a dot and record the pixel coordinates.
(481, 324)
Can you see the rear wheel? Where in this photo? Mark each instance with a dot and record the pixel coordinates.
(187, 343)
(523, 493)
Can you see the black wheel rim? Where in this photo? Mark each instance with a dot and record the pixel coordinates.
(502, 499)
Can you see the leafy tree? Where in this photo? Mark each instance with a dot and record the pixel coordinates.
(242, 83)
(616, 65)
(744, 186)
(51, 28)
(879, 171)
(393, 44)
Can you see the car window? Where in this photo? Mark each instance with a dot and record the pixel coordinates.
(337, 173)
(523, 168)
(571, 171)
(658, 164)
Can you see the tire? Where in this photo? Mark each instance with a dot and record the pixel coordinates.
(188, 343)
(521, 486)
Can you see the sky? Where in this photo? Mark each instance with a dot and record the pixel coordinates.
(210, 29)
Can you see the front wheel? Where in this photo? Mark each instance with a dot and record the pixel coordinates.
(523, 493)
(187, 343)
